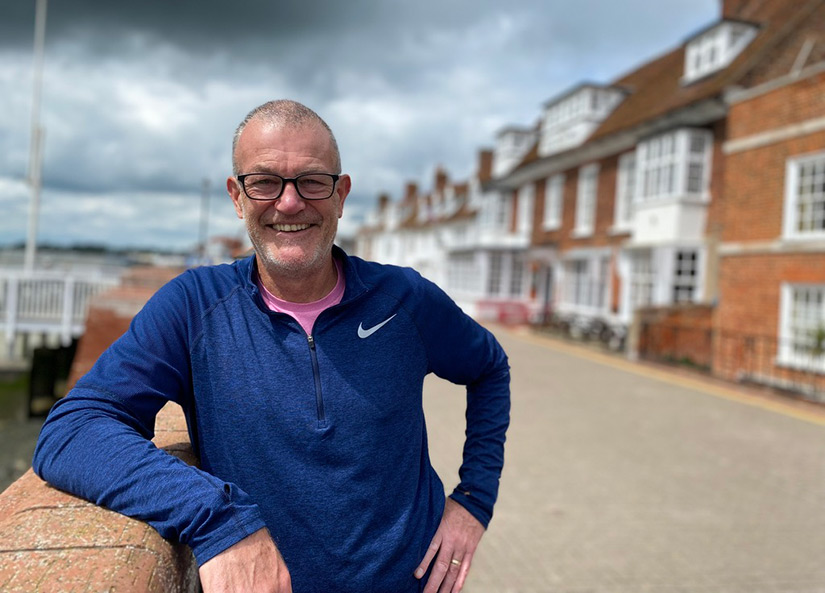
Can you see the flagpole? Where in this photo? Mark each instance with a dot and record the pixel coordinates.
(37, 133)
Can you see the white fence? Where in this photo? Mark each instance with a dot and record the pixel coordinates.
(47, 303)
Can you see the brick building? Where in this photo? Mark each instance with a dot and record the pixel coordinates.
(693, 184)
(772, 236)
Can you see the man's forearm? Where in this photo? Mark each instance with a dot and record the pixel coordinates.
(93, 450)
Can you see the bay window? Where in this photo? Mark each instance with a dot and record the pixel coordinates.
(674, 165)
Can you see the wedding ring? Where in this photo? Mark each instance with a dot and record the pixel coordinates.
(455, 562)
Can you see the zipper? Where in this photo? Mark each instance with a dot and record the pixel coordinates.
(319, 398)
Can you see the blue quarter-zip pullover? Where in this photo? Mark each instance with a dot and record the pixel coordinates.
(319, 438)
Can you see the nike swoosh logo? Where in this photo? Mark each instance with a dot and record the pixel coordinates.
(366, 333)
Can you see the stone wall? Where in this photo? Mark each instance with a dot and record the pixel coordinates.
(51, 541)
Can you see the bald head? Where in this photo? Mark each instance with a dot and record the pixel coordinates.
(288, 114)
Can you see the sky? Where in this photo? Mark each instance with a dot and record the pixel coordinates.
(140, 98)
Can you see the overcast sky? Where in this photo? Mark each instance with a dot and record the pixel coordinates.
(141, 97)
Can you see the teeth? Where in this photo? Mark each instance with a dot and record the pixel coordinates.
(290, 228)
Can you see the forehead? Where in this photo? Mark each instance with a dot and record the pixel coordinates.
(272, 146)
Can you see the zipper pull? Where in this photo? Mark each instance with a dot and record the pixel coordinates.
(311, 341)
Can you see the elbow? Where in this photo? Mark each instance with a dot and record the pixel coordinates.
(43, 453)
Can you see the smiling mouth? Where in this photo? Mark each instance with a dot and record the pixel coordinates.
(290, 228)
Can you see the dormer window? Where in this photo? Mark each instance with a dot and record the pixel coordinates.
(511, 146)
(571, 118)
(715, 48)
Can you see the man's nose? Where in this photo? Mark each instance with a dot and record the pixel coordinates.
(290, 202)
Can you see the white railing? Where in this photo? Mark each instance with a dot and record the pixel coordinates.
(47, 302)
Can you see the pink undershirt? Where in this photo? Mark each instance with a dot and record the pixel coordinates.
(305, 313)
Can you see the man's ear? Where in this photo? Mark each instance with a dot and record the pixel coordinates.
(342, 188)
(234, 191)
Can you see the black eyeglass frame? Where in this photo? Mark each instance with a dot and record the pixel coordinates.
(284, 180)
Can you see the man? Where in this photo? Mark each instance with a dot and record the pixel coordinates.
(300, 372)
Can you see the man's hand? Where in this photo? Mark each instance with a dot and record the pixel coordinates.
(253, 565)
(455, 541)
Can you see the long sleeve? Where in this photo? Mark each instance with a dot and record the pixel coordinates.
(463, 352)
(96, 443)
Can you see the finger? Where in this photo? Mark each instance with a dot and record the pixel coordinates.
(440, 571)
(428, 556)
(453, 567)
(462, 573)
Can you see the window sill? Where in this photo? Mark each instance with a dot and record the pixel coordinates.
(680, 200)
(789, 363)
(620, 230)
(581, 233)
(811, 237)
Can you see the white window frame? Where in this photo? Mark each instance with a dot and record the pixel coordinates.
(643, 278)
(526, 197)
(686, 275)
(586, 283)
(518, 265)
(495, 274)
(714, 49)
(576, 292)
(463, 273)
(625, 192)
(586, 198)
(553, 202)
(795, 350)
(502, 211)
(793, 169)
(663, 166)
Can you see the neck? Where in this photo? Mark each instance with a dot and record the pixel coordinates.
(304, 286)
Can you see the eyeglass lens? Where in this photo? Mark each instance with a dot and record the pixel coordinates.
(269, 187)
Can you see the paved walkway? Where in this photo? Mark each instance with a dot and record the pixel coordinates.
(625, 479)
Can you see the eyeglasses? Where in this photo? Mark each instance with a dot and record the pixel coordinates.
(266, 186)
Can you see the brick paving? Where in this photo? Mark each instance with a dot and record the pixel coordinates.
(616, 482)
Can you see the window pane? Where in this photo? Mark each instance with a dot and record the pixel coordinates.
(810, 196)
(806, 325)
(685, 276)
(494, 281)
(642, 279)
(695, 175)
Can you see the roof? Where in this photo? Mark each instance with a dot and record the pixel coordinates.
(655, 89)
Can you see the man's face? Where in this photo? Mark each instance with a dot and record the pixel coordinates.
(291, 235)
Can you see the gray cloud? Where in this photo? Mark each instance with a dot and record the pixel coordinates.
(141, 97)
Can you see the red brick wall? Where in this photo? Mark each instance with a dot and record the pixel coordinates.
(51, 541)
(680, 333)
(715, 218)
(748, 314)
(605, 205)
(784, 106)
(111, 312)
(750, 288)
(754, 180)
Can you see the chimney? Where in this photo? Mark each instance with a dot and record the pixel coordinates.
(410, 191)
(383, 202)
(485, 165)
(441, 180)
